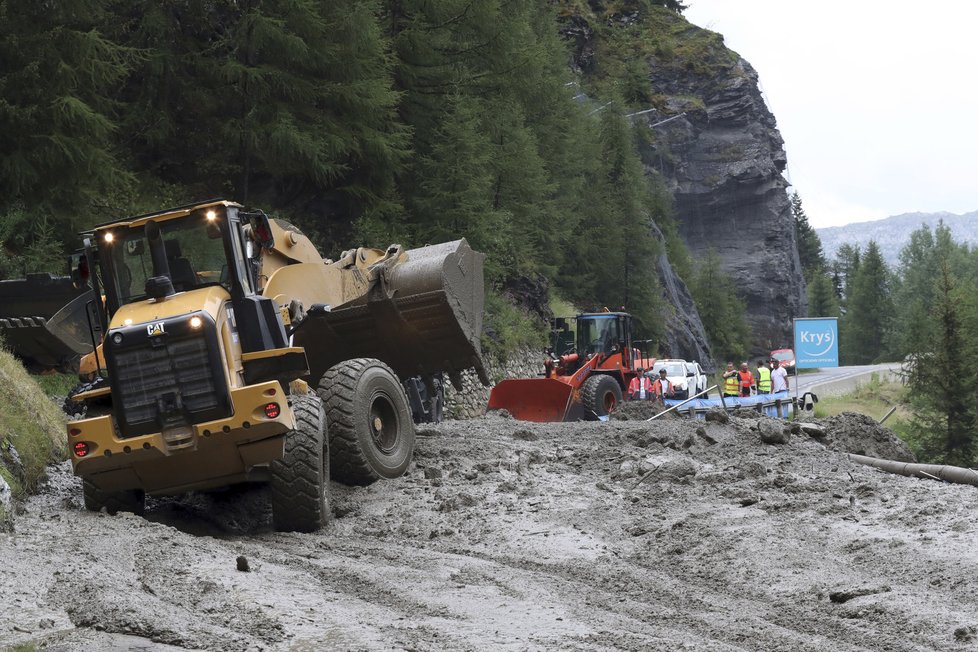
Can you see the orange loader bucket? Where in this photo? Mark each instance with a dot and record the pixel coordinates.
(533, 399)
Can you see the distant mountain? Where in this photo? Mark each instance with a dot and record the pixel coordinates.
(892, 233)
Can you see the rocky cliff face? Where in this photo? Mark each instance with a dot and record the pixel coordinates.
(723, 161)
(720, 154)
(685, 335)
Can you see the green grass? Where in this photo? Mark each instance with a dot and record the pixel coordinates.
(31, 423)
(561, 307)
(56, 385)
(873, 399)
(509, 327)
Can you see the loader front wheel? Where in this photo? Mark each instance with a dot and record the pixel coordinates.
(132, 501)
(371, 432)
(300, 480)
(601, 395)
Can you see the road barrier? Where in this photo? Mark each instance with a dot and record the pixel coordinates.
(779, 406)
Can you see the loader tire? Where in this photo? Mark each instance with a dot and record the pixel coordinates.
(78, 409)
(371, 433)
(132, 501)
(601, 395)
(300, 480)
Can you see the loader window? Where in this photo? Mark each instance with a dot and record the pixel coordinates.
(194, 251)
(598, 334)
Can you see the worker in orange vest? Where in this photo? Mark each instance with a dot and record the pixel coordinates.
(640, 388)
(662, 387)
(746, 379)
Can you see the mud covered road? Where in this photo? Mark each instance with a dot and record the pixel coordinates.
(507, 535)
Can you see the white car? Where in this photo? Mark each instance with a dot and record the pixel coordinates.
(684, 376)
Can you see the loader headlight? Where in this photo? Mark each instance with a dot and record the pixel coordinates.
(117, 339)
(196, 322)
(211, 215)
(109, 237)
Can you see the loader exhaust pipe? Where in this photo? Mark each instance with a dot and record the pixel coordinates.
(160, 285)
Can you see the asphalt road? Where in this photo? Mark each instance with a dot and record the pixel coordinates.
(840, 380)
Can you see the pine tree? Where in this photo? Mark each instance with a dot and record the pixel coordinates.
(615, 248)
(721, 309)
(503, 61)
(453, 196)
(809, 244)
(57, 75)
(822, 301)
(283, 102)
(844, 271)
(869, 310)
(942, 395)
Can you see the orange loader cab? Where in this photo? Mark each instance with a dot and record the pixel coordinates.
(585, 382)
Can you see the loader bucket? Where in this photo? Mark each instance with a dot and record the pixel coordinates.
(27, 307)
(424, 318)
(534, 399)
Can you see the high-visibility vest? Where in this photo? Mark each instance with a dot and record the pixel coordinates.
(746, 378)
(636, 384)
(763, 380)
(731, 385)
(662, 386)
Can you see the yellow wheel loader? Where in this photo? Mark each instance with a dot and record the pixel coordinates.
(230, 351)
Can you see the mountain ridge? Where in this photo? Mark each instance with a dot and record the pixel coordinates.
(892, 233)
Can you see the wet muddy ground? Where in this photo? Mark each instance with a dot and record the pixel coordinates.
(629, 535)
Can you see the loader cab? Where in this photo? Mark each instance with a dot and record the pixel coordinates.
(603, 333)
(153, 257)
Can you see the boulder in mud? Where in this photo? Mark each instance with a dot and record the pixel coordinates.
(773, 432)
(6, 495)
(717, 415)
(676, 468)
(810, 429)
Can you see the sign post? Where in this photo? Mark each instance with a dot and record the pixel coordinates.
(816, 344)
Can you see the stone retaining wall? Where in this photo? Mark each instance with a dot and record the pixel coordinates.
(471, 401)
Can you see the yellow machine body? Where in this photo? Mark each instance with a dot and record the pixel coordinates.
(418, 310)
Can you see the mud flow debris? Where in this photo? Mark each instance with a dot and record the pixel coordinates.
(674, 534)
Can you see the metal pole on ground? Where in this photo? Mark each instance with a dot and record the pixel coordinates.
(887, 415)
(679, 405)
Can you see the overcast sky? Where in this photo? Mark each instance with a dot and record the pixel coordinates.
(877, 100)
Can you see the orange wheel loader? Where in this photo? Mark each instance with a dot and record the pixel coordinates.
(587, 382)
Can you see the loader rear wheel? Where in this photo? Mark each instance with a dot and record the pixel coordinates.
(371, 433)
(96, 408)
(601, 395)
(300, 480)
(132, 501)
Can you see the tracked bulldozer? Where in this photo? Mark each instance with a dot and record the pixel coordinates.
(233, 352)
(585, 375)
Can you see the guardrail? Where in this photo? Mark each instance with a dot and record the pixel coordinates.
(779, 406)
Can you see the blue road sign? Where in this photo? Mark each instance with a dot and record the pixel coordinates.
(816, 342)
